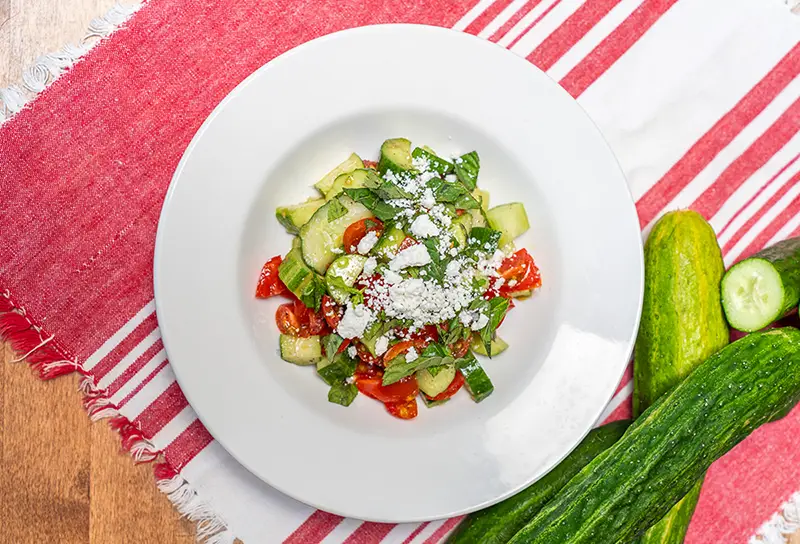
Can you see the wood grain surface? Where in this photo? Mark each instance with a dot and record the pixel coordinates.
(63, 479)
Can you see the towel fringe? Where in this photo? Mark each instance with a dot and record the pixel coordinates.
(50, 360)
(50, 67)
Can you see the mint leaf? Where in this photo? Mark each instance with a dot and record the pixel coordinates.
(482, 240)
(388, 191)
(437, 267)
(498, 307)
(433, 355)
(336, 210)
(313, 292)
(338, 283)
(343, 393)
(331, 343)
(373, 202)
(339, 370)
(435, 163)
(467, 202)
(467, 167)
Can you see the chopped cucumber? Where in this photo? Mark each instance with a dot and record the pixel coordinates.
(498, 345)
(300, 351)
(434, 385)
(476, 381)
(395, 156)
(459, 232)
(351, 163)
(436, 163)
(389, 243)
(478, 217)
(321, 237)
(761, 289)
(294, 217)
(346, 270)
(510, 219)
(483, 197)
(362, 177)
(303, 282)
(432, 403)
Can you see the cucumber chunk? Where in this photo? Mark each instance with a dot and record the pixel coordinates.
(478, 217)
(300, 351)
(294, 217)
(362, 177)
(459, 233)
(389, 243)
(498, 345)
(475, 380)
(434, 385)
(301, 280)
(395, 156)
(510, 219)
(351, 163)
(483, 197)
(321, 237)
(346, 270)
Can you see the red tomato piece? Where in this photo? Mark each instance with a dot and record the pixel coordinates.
(397, 349)
(365, 355)
(331, 311)
(355, 232)
(407, 242)
(406, 409)
(269, 284)
(519, 270)
(287, 320)
(452, 389)
(370, 164)
(460, 348)
(424, 336)
(295, 319)
(371, 385)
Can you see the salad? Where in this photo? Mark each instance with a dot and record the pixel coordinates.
(397, 277)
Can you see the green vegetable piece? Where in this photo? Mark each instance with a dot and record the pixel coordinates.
(498, 523)
(301, 280)
(300, 351)
(498, 307)
(348, 165)
(433, 355)
(433, 384)
(370, 200)
(475, 379)
(336, 210)
(331, 343)
(339, 370)
(435, 163)
(343, 393)
(395, 156)
(510, 219)
(467, 168)
(294, 217)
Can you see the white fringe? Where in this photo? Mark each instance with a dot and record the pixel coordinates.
(210, 528)
(781, 525)
(48, 68)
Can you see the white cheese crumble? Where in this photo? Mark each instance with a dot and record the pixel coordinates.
(352, 352)
(354, 321)
(423, 227)
(381, 345)
(465, 318)
(452, 178)
(480, 323)
(392, 277)
(337, 250)
(369, 266)
(416, 255)
(428, 200)
(411, 355)
(367, 242)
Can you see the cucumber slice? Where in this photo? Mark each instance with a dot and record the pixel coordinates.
(476, 381)
(294, 217)
(435, 163)
(345, 269)
(389, 243)
(466, 220)
(351, 163)
(478, 217)
(498, 345)
(300, 351)
(510, 219)
(395, 156)
(761, 289)
(320, 236)
(483, 197)
(434, 385)
(353, 180)
(459, 232)
(301, 280)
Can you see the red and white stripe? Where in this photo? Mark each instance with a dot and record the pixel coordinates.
(737, 163)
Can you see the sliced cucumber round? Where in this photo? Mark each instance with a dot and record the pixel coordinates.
(434, 385)
(752, 295)
(344, 270)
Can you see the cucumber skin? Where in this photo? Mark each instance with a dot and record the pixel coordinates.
(498, 523)
(665, 452)
(682, 324)
(785, 258)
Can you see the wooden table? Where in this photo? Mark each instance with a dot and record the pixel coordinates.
(62, 479)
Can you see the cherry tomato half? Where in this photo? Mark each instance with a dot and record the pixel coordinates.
(287, 320)
(355, 232)
(397, 349)
(331, 311)
(295, 319)
(371, 386)
(406, 409)
(269, 284)
(365, 355)
(460, 348)
(370, 164)
(519, 270)
(451, 390)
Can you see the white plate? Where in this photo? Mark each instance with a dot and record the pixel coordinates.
(266, 144)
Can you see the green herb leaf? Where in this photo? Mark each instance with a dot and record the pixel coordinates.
(336, 210)
(389, 191)
(338, 283)
(434, 370)
(343, 393)
(331, 343)
(313, 292)
(436, 163)
(467, 167)
(482, 240)
(498, 307)
(339, 370)
(467, 202)
(371, 201)
(445, 191)
(433, 355)
(437, 267)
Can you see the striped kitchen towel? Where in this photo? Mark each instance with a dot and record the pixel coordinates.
(700, 100)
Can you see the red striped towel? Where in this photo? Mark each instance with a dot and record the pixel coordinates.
(699, 100)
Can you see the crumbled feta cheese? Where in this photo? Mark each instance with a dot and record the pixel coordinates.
(411, 355)
(453, 269)
(423, 227)
(480, 323)
(440, 215)
(369, 266)
(416, 255)
(392, 277)
(354, 321)
(352, 352)
(453, 251)
(337, 250)
(465, 318)
(381, 345)
(368, 242)
(452, 178)
(428, 200)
